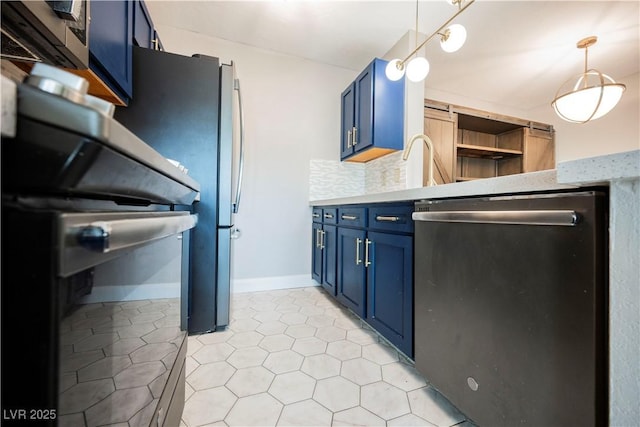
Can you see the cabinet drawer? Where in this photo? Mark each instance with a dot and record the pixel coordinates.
(391, 218)
(330, 216)
(317, 215)
(352, 217)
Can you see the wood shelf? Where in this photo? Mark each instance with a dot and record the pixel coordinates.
(466, 178)
(482, 152)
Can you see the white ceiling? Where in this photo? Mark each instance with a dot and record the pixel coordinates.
(517, 54)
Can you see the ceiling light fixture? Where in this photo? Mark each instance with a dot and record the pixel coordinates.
(451, 39)
(591, 96)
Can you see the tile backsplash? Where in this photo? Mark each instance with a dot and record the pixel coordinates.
(386, 173)
(330, 179)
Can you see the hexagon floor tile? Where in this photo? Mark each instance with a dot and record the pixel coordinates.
(295, 357)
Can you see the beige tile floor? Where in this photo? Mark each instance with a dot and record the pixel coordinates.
(296, 357)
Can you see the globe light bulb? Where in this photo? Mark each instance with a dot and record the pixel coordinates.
(417, 69)
(453, 38)
(394, 70)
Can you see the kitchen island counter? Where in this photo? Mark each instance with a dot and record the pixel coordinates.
(621, 173)
(592, 171)
(520, 183)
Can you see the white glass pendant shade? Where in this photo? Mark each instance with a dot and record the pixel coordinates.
(592, 96)
(453, 38)
(417, 69)
(394, 70)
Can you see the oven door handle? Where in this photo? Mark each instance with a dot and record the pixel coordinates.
(106, 236)
(532, 217)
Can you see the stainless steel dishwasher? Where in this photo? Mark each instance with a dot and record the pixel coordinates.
(511, 306)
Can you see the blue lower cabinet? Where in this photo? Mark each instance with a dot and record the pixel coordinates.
(329, 258)
(351, 270)
(316, 252)
(390, 288)
(364, 257)
(324, 248)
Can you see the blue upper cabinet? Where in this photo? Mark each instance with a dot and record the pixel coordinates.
(348, 121)
(372, 122)
(144, 32)
(114, 28)
(110, 44)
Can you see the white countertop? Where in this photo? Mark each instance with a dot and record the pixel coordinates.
(569, 175)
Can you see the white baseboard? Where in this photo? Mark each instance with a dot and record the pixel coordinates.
(172, 290)
(132, 292)
(272, 283)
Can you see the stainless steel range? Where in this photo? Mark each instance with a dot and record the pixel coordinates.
(78, 189)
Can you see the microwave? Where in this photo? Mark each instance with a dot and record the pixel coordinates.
(53, 32)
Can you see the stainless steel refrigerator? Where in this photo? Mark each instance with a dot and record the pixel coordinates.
(187, 108)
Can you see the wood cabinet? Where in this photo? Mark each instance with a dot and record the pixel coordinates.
(472, 144)
(373, 265)
(372, 115)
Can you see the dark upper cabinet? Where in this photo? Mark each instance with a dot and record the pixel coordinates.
(110, 44)
(372, 121)
(144, 33)
(115, 27)
(348, 121)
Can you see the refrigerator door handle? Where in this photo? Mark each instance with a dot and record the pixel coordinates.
(236, 204)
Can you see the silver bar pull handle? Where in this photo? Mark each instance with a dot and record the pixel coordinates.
(355, 136)
(349, 217)
(317, 238)
(358, 260)
(322, 233)
(384, 218)
(106, 236)
(349, 139)
(315, 215)
(328, 216)
(236, 204)
(367, 242)
(534, 217)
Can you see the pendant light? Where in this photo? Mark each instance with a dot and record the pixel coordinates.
(592, 95)
(451, 39)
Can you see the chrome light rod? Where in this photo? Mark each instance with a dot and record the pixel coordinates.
(400, 65)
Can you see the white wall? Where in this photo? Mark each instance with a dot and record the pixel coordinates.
(292, 115)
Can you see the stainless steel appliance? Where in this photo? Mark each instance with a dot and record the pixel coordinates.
(53, 32)
(511, 304)
(184, 107)
(78, 189)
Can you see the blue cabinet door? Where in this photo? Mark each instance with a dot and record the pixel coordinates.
(364, 109)
(143, 32)
(351, 271)
(110, 45)
(373, 109)
(347, 121)
(329, 258)
(390, 288)
(316, 252)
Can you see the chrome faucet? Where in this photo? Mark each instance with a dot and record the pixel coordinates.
(427, 140)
